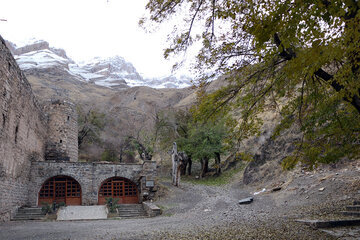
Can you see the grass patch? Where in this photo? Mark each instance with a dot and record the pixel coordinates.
(166, 207)
(223, 179)
(167, 214)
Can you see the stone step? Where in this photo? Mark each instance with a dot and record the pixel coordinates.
(132, 217)
(351, 213)
(138, 213)
(128, 206)
(29, 210)
(132, 214)
(353, 208)
(28, 217)
(330, 223)
(135, 216)
(29, 213)
(131, 211)
(137, 207)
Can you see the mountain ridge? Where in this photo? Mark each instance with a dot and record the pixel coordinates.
(112, 72)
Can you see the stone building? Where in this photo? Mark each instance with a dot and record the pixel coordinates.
(39, 153)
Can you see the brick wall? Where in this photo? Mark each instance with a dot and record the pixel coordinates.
(22, 134)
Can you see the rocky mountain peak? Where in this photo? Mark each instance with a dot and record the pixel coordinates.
(113, 72)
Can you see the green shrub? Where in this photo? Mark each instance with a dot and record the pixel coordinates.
(112, 204)
(51, 208)
(109, 156)
(46, 208)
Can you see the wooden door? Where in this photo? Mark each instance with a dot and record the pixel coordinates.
(60, 189)
(122, 189)
(60, 192)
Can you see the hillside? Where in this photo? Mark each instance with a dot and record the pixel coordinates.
(103, 83)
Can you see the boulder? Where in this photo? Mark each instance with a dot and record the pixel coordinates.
(246, 200)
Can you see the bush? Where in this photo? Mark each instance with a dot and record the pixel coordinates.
(112, 204)
(51, 208)
(46, 208)
(109, 156)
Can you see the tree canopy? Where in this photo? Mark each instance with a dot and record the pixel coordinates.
(204, 140)
(90, 124)
(298, 56)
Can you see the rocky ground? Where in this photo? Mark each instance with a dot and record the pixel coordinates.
(195, 211)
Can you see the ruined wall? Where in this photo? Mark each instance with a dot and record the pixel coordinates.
(89, 175)
(62, 141)
(22, 134)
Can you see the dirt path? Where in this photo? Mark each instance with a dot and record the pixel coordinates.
(205, 212)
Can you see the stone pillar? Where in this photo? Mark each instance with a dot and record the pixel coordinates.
(148, 176)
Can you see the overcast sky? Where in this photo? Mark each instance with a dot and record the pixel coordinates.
(88, 28)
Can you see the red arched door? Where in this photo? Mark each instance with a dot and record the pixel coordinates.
(60, 189)
(119, 188)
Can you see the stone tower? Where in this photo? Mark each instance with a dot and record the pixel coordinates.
(62, 140)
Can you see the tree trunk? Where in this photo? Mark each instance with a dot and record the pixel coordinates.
(121, 155)
(202, 168)
(178, 174)
(189, 167)
(206, 163)
(174, 159)
(183, 169)
(217, 163)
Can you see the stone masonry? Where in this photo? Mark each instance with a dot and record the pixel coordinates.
(62, 140)
(39, 143)
(22, 134)
(90, 176)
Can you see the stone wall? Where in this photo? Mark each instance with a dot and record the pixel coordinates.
(89, 175)
(22, 134)
(62, 141)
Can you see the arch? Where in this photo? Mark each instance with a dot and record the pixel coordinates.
(60, 189)
(119, 188)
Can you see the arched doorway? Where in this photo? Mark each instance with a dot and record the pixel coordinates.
(119, 188)
(60, 189)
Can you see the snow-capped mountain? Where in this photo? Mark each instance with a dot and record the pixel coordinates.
(108, 72)
(113, 72)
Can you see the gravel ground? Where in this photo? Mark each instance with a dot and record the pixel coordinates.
(204, 212)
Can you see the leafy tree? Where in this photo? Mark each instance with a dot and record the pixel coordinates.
(144, 149)
(90, 124)
(300, 57)
(109, 155)
(170, 125)
(204, 142)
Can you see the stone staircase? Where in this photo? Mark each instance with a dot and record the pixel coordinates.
(131, 211)
(352, 210)
(352, 218)
(29, 213)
